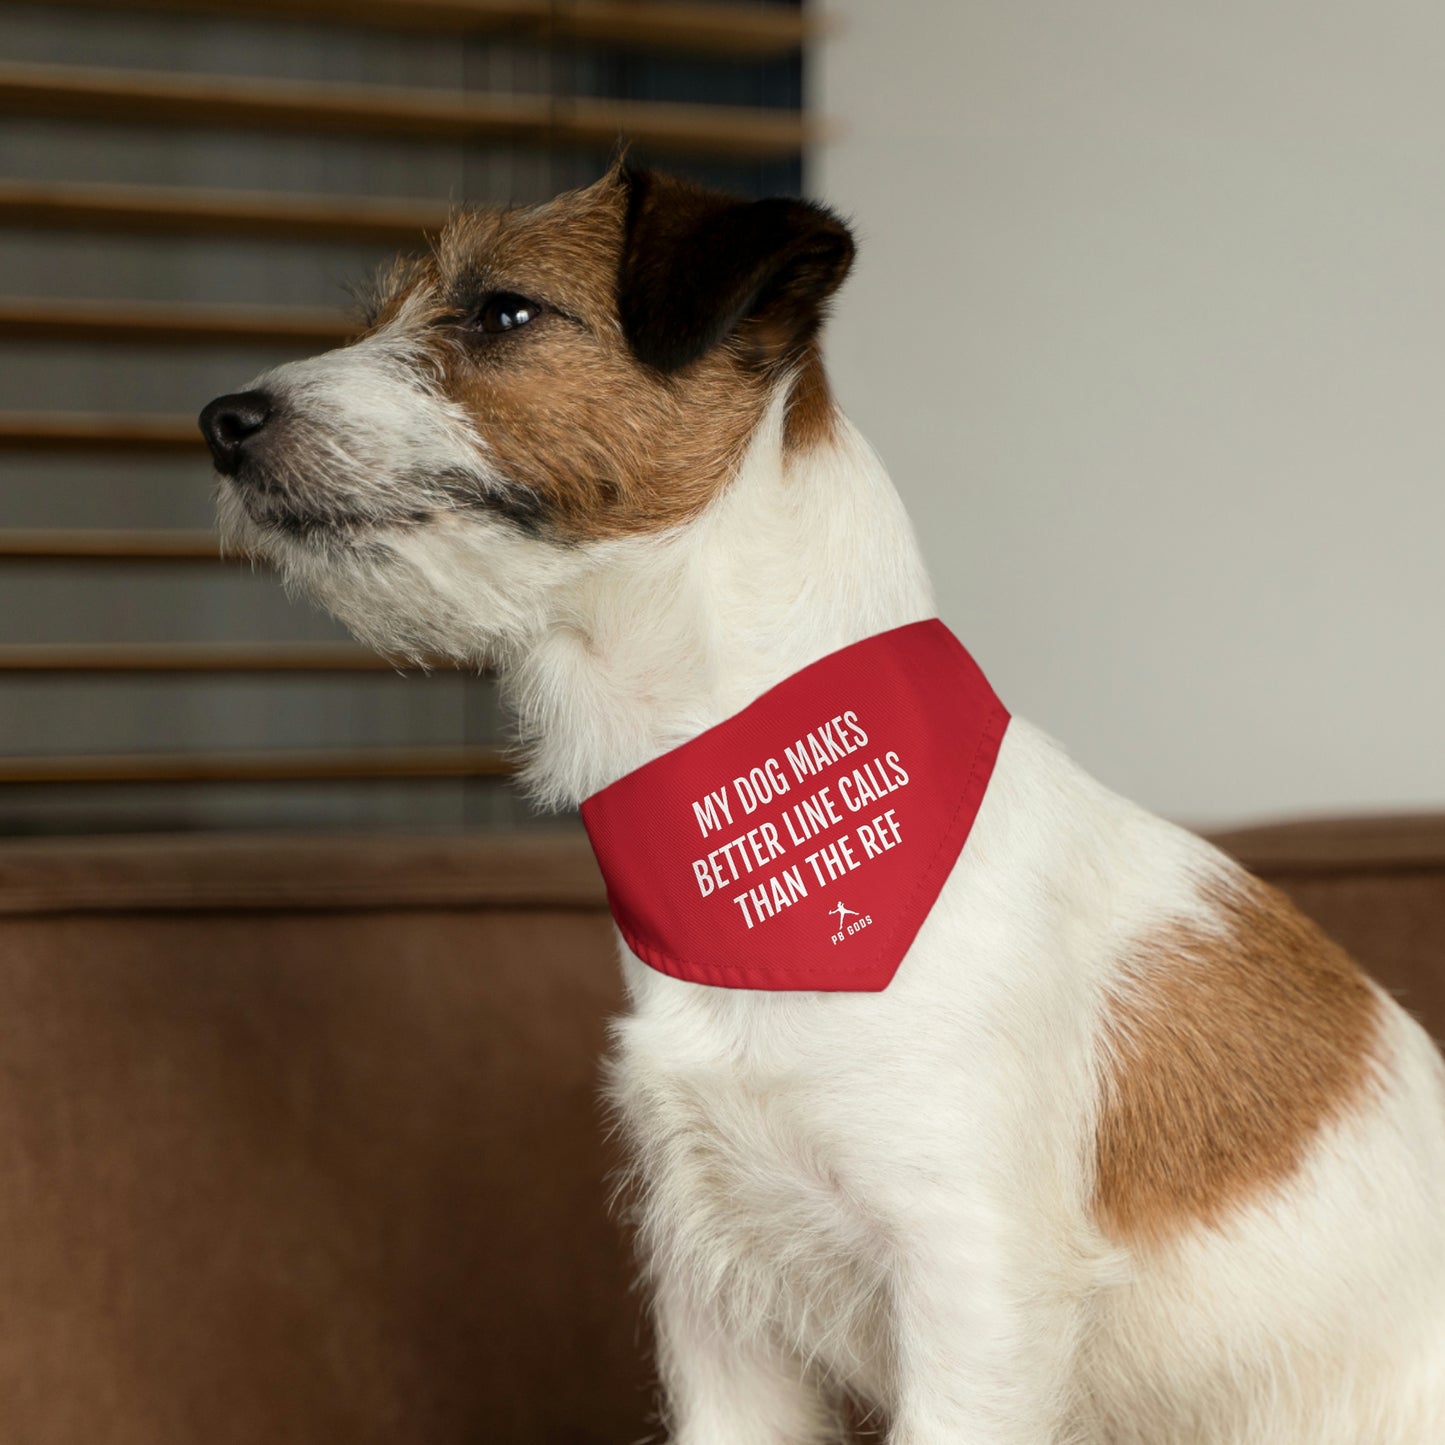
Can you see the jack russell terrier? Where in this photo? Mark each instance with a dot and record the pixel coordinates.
(956, 1086)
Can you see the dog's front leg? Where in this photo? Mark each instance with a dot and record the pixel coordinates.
(985, 1343)
(723, 1389)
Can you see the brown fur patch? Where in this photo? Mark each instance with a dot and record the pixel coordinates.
(1228, 1052)
(596, 444)
(812, 413)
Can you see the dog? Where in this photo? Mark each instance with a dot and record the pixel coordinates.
(1126, 1152)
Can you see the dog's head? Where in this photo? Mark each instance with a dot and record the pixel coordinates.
(546, 382)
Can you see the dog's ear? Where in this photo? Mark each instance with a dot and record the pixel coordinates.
(699, 266)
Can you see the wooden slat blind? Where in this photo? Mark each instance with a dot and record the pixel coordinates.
(232, 109)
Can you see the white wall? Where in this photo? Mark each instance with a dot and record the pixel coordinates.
(1149, 324)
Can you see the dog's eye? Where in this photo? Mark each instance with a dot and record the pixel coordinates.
(505, 311)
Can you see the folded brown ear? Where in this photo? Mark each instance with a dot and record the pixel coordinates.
(699, 267)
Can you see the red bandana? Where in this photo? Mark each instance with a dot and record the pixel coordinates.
(801, 843)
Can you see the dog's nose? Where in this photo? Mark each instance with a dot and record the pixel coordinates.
(229, 422)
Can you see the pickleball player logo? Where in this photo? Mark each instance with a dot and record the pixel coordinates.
(842, 913)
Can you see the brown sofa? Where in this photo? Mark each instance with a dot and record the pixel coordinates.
(299, 1141)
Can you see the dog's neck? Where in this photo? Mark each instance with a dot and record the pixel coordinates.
(803, 553)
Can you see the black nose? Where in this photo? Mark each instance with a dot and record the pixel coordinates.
(229, 422)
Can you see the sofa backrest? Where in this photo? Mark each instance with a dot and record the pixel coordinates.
(300, 1138)
(300, 1142)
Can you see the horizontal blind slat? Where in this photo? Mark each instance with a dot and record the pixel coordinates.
(205, 657)
(338, 765)
(745, 31)
(312, 107)
(176, 210)
(171, 323)
(74, 545)
(98, 431)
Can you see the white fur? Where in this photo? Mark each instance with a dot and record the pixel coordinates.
(889, 1194)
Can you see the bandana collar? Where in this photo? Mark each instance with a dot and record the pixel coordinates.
(801, 843)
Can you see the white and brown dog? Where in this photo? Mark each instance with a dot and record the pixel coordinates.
(1127, 1152)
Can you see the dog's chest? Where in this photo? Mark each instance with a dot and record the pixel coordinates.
(745, 1185)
